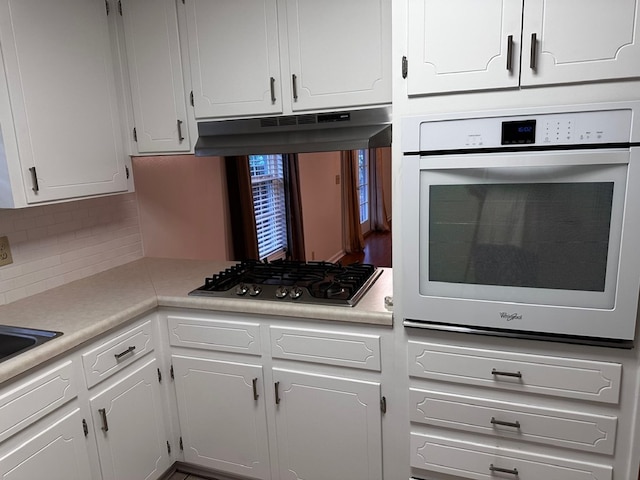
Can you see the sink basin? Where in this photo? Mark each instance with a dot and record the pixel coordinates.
(15, 340)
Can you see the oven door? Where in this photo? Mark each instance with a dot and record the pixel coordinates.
(531, 242)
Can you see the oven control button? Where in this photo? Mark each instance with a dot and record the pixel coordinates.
(241, 289)
(254, 290)
(296, 292)
(281, 292)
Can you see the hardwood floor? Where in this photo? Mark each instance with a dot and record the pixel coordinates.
(377, 251)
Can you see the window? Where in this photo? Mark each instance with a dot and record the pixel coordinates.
(363, 189)
(267, 182)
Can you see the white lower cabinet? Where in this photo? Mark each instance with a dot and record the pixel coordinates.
(128, 421)
(54, 449)
(284, 400)
(221, 407)
(483, 413)
(327, 427)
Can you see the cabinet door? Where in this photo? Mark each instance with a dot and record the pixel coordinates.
(58, 451)
(129, 424)
(222, 415)
(463, 45)
(234, 55)
(339, 52)
(327, 427)
(155, 70)
(580, 41)
(61, 85)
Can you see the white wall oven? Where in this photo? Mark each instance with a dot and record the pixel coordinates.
(523, 223)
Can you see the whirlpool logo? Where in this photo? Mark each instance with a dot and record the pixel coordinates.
(510, 316)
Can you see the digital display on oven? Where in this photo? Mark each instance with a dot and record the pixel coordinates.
(519, 132)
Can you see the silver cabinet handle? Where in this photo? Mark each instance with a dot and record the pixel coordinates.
(255, 389)
(294, 81)
(103, 415)
(506, 374)
(510, 471)
(180, 137)
(533, 59)
(120, 355)
(277, 387)
(510, 53)
(273, 90)
(34, 179)
(515, 424)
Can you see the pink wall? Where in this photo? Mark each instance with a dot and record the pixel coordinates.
(321, 205)
(182, 204)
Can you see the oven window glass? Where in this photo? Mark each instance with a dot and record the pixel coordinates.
(540, 235)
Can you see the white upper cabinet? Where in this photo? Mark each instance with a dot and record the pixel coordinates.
(579, 41)
(469, 45)
(463, 45)
(60, 124)
(257, 57)
(234, 55)
(339, 52)
(155, 72)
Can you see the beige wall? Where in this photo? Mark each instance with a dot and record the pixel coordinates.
(183, 206)
(321, 205)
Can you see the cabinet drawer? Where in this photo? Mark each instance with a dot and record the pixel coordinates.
(332, 348)
(540, 374)
(29, 400)
(478, 461)
(562, 428)
(220, 335)
(111, 356)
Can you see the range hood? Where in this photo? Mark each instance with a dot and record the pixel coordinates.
(316, 132)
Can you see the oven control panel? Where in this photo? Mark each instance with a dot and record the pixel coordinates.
(554, 129)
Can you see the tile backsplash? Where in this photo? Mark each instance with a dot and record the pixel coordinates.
(56, 244)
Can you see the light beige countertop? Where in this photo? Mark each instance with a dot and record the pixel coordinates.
(86, 308)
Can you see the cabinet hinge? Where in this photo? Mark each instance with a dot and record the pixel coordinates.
(191, 98)
(168, 447)
(126, 170)
(181, 444)
(106, 5)
(405, 67)
(159, 376)
(120, 7)
(171, 373)
(383, 404)
(85, 427)
(135, 134)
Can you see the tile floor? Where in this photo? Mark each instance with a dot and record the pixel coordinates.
(185, 476)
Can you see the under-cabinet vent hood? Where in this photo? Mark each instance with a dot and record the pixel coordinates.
(317, 132)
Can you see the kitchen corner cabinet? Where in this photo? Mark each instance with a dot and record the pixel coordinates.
(128, 421)
(260, 57)
(260, 399)
(505, 44)
(127, 404)
(155, 73)
(59, 119)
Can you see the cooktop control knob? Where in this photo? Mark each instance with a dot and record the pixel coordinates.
(254, 290)
(295, 292)
(281, 292)
(241, 289)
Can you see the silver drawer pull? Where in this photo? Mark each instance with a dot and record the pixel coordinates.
(515, 424)
(119, 356)
(255, 389)
(506, 374)
(103, 416)
(512, 471)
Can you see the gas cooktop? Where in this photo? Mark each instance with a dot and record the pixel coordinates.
(292, 281)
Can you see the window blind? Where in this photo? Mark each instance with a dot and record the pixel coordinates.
(267, 182)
